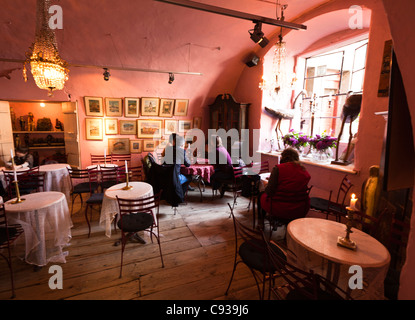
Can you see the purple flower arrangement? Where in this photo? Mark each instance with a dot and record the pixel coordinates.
(295, 139)
(323, 142)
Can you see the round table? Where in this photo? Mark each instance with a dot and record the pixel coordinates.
(110, 205)
(47, 224)
(314, 242)
(57, 178)
(99, 166)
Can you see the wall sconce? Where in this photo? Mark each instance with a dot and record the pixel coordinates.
(106, 74)
(171, 78)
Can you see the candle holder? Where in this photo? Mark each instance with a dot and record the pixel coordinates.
(18, 199)
(127, 186)
(345, 241)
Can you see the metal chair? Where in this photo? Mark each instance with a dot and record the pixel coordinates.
(119, 159)
(95, 198)
(29, 181)
(139, 215)
(80, 184)
(100, 159)
(8, 234)
(108, 177)
(234, 184)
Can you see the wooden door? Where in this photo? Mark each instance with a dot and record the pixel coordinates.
(6, 133)
(71, 127)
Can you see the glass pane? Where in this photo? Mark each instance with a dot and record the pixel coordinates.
(323, 65)
(360, 58)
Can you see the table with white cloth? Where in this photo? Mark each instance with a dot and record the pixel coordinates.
(46, 221)
(99, 166)
(314, 242)
(3, 178)
(109, 207)
(57, 178)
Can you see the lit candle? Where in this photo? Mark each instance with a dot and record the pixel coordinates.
(353, 200)
(126, 168)
(11, 153)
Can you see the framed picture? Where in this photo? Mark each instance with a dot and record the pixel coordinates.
(93, 107)
(185, 125)
(150, 106)
(166, 108)
(180, 107)
(94, 129)
(136, 146)
(119, 145)
(149, 128)
(170, 126)
(113, 107)
(150, 145)
(132, 106)
(111, 126)
(197, 122)
(128, 127)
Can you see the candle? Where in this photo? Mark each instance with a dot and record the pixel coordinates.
(353, 200)
(126, 168)
(15, 175)
(105, 153)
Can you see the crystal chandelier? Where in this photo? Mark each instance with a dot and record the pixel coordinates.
(48, 69)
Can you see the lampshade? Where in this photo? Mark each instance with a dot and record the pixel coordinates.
(49, 70)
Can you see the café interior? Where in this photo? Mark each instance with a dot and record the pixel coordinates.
(91, 85)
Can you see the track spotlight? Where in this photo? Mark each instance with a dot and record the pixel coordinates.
(171, 78)
(106, 74)
(258, 36)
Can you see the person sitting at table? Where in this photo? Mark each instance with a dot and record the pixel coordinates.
(22, 159)
(222, 162)
(286, 196)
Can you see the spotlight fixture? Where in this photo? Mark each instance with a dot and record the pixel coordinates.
(258, 36)
(171, 78)
(106, 74)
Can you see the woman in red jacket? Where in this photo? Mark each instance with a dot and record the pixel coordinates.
(286, 195)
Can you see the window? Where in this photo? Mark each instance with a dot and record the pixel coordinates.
(328, 78)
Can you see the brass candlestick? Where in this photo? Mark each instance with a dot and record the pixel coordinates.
(127, 186)
(18, 199)
(345, 241)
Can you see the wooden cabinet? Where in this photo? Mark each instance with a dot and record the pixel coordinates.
(226, 113)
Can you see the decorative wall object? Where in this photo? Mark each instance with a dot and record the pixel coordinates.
(197, 122)
(185, 125)
(94, 107)
(94, 129)
(170, 126)
(119, 145)
(113, 107)
(128, 127)
(149, 128)
(150, 106)
(136, 146)
(111, 126)
(166, 107)
(132, 106)
(180, 108)
(150, 145)
(385, 70)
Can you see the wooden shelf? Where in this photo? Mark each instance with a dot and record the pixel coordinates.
(48, 147)
(38, 131)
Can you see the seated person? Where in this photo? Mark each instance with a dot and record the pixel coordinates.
(175, 154)
(288, 180)
(22, 159)
(222, 162)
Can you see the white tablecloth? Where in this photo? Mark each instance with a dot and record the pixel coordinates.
(110, 206)
(47, 224)
(57, 178)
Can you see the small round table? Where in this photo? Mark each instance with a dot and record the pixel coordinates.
(57, 178)
(314, 241)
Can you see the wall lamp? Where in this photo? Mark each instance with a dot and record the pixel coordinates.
(106, 74)
(258, 36)
(171, 78)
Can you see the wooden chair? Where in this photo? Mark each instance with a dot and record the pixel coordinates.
(108, 177)
(100, 159)
(119, 159)
(95, 198)
(8, 234)
(337, 208)
(251, 249)
(80, 184)
(139, 215)
(135, 173)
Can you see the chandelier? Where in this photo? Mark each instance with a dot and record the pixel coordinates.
(48, 69)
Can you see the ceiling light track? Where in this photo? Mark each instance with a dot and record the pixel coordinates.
(235, 14)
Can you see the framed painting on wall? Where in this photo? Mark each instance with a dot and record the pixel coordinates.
(128, 127)
(136, 146)
(111, 126)
(185, 125)
(119, 145)
(180, 107)
(197, 122)
(170, 126)
(113, 107)
(93, 107)
(150, 106)
(149, 128)
(150, 145)
(94, 129)
(132, 106)
(166, 108)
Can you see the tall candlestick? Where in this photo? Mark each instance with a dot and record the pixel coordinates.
(126, 168)
(353, 200)
(15, 175)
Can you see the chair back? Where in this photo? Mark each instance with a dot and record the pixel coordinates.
(135, 173)
(28, 180)
(78, 176)
(108, 174)
(94, 177)
(366, 223)
(119, 159)
(260, 167)
(100, 159)
(344, 189)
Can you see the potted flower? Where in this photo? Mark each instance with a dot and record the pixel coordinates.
(322, 145)
(296, 140)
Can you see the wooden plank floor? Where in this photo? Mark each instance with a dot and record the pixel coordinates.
(198, 251)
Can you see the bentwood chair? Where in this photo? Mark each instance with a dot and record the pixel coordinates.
(95, 198)
(139, 215)
(8, 234)
(80, 184)
(251, 249)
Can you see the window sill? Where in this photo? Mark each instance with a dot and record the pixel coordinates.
(336, 167)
